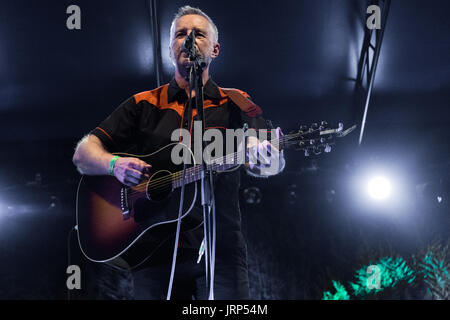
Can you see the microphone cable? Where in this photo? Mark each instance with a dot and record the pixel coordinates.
(180, 210)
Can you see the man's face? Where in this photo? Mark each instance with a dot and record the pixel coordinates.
(204, 40)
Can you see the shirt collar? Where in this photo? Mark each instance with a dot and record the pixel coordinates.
(174, 92)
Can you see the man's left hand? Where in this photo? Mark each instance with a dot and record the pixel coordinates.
(265, 159)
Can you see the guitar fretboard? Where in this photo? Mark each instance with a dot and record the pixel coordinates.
(221, 164)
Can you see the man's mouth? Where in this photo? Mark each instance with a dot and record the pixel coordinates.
(185, 60)
(184, 55)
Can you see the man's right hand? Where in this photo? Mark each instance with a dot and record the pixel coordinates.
(131, 171)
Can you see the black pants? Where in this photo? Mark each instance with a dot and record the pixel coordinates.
(230, 276)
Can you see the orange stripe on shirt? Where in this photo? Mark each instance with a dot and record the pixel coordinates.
(224, 95)
(209, 103)
(105, 133)
(158, 98)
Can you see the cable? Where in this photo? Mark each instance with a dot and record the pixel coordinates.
(213, 243)
(180, 210)
(177, 235)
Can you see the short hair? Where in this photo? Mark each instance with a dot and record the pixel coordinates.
(186, 10)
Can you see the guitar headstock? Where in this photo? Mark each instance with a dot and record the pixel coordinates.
(317, 138)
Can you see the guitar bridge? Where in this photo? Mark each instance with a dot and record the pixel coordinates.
(124, 203)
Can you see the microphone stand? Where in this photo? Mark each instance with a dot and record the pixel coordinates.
(207, 187)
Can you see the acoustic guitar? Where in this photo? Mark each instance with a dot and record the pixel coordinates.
(126, 225)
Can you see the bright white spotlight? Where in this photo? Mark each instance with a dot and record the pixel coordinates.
(379, 188)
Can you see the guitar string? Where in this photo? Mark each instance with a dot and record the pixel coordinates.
(193, 171)
(163, 182)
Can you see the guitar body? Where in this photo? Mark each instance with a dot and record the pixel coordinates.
(117, 223)
(120, 223)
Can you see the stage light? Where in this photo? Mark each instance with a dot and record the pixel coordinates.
(379, 188)
(382, 190)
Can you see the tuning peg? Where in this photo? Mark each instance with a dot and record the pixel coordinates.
(306, 153)
(303, 128)
(314, 126)
(322, 140)
(323, 125)
(327, 148)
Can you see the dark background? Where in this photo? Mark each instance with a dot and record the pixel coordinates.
(298, 60)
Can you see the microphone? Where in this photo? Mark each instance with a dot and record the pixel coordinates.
(188, 46)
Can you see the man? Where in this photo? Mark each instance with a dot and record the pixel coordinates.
(143, 124)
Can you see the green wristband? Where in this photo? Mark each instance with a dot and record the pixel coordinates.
(112, 163)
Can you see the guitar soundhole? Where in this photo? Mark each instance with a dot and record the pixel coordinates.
(159, 186)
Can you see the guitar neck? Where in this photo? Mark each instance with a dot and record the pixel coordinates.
(304, 139)
(194, 173)
(221, 164)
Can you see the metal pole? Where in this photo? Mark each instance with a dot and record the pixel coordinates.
(156, 41)
(374, 66)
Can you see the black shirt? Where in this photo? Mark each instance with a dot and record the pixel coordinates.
(144, 123)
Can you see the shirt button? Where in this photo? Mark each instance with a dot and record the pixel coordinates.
(186, 124)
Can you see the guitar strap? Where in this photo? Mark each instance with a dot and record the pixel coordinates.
(245, 104)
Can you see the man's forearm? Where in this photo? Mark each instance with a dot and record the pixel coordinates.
(91, 158)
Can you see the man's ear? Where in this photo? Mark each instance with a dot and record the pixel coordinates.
(216, 50)
(170, 52)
